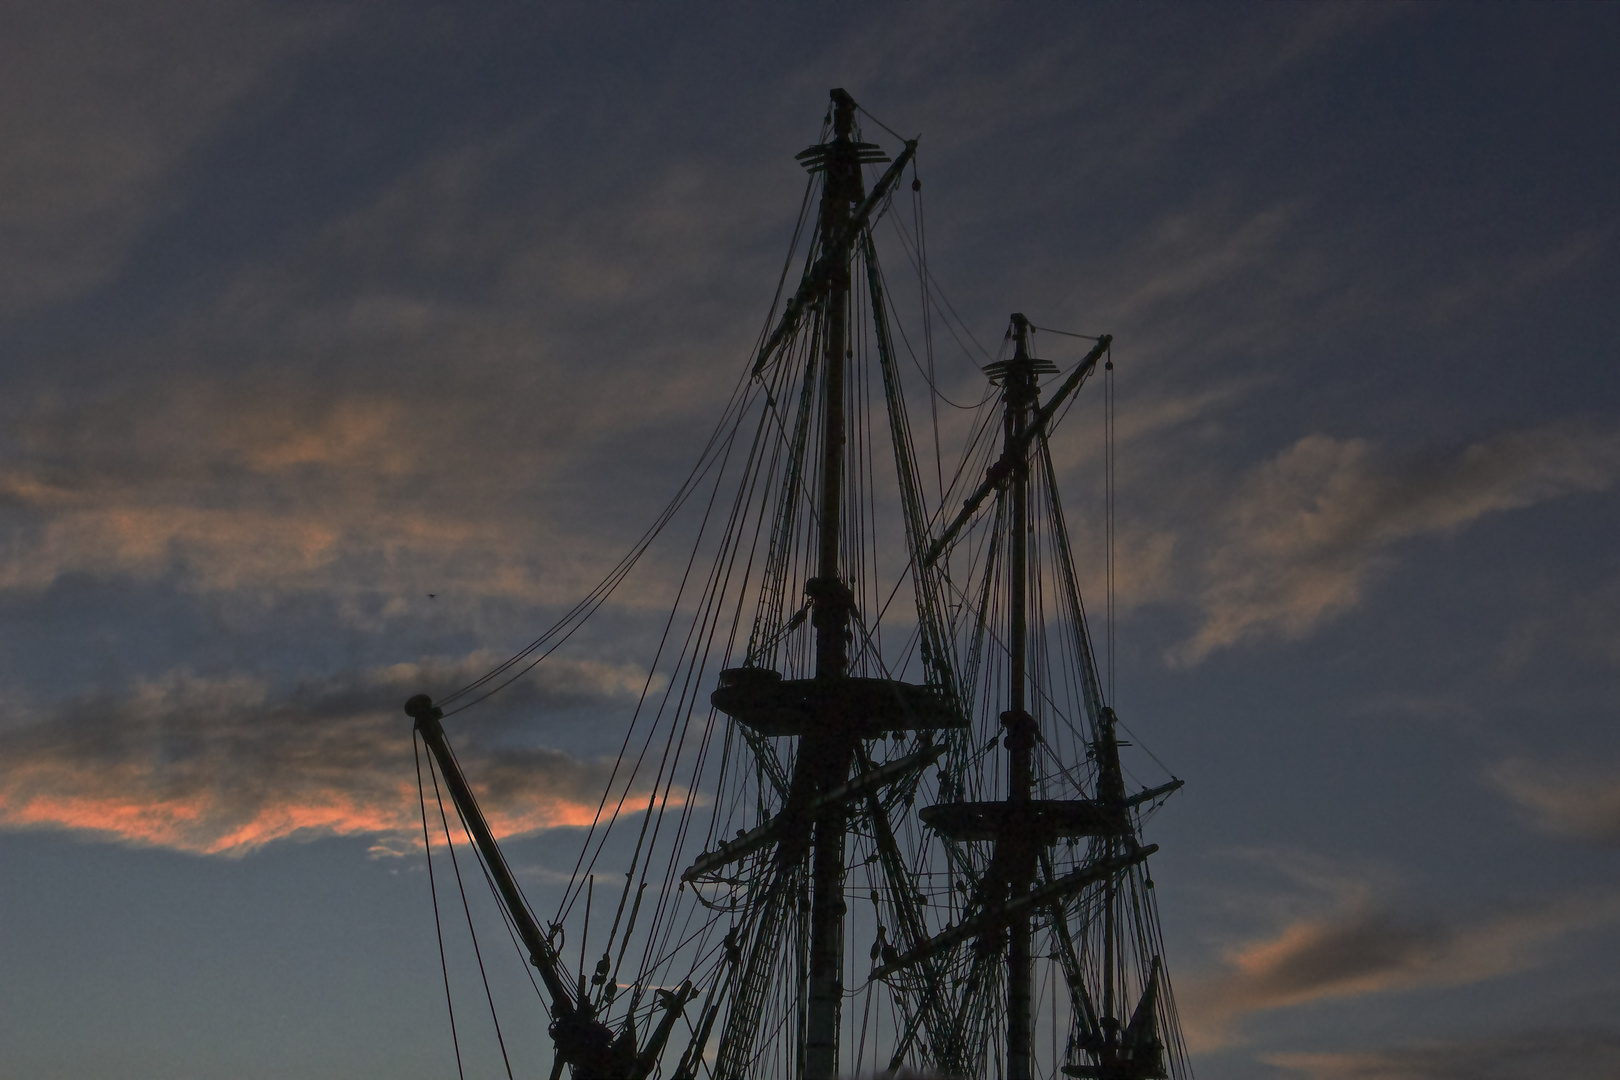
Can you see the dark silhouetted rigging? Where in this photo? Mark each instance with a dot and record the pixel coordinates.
(816, 781)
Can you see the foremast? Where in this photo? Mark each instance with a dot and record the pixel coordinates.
(1020, 883)
(827, 751)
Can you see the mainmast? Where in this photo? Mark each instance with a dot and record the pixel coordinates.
(833, 714)
(1019, 397)
(825, 756)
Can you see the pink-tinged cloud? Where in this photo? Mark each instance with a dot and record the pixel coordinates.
(1363, 949)
(1308, 530)
(268, 490)
(256, 489)
(217, 767)
(1580, 801)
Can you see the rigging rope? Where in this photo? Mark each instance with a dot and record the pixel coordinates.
(936, 295)
(438, 928)
(710, 620)
(1108, 453)
(881, 124)
(920, 226)
(1065, 333)
(737, 403)
(467, 910)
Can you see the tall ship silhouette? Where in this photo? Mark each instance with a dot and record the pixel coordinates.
(874, 812)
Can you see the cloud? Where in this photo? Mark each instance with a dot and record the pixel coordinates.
(1593, 623)
(1498, 280)
(373, 408)
(99, 105)
(1309, 528)
(1188, 254)
(223, 766)
(267, 488)
(1364, 948)
(1571, 1054)
(1579, 801)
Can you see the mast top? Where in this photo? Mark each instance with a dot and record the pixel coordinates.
(1020, 328)
(843, 113)
(1022, 363)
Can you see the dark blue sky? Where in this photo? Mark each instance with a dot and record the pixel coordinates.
(309, 310)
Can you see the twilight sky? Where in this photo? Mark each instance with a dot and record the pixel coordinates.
(308, 311)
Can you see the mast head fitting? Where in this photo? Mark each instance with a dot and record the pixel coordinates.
(421, 707)
(843, 113)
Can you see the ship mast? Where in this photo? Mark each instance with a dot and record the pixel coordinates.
(826, 755)
(833, 713)
(1019, 397)
(824, 747)
(1021, 827)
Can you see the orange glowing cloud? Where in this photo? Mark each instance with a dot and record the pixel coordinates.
(215, 767)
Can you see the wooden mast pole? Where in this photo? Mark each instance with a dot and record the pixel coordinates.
(831, 751)
(1020, 396)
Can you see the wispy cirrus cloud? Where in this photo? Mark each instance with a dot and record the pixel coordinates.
(1581, 801)
(99, 106)
(1364, 947)
(1571, 1053)
(225, 766)
(1310, 528)
(1506, 277)
(415, 472)
(268, 489)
